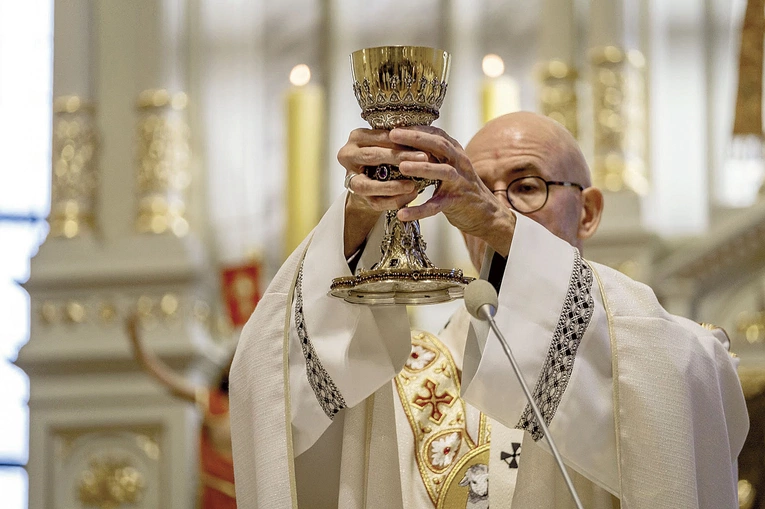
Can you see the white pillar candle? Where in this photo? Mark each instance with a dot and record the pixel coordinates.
(304, 121)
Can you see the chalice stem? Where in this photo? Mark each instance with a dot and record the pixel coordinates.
(402, 246)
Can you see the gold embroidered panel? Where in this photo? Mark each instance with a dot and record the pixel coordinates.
(429, 389)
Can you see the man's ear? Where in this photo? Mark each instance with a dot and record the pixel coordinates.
(592, 208)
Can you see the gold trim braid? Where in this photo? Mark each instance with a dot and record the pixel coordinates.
(614, 374)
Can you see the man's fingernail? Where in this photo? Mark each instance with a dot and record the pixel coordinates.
(420, 156)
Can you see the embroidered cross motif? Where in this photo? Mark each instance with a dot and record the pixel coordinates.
(433, 400)
(511, 456)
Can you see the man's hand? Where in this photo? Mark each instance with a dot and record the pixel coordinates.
(367, 147)
(463, 198)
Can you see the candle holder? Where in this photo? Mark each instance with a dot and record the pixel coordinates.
(398, 86)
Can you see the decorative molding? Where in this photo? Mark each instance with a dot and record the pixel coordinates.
(619, 120)
(110, 482)
(106, 467)
(557, 93)
(162, 173)
(151, 309)
(75, 175)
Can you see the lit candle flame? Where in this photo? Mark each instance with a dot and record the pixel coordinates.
(300, 75)
(493, 66)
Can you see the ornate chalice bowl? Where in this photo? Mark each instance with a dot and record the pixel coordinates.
(398, 86)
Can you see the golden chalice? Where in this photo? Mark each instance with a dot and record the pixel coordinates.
(399, 86)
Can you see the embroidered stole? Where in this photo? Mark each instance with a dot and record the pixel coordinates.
(451, 452)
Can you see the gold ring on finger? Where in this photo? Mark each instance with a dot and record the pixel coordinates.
(347, 182)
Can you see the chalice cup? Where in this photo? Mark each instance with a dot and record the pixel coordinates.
(398, 86)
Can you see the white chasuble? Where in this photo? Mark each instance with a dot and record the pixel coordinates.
(341, 405)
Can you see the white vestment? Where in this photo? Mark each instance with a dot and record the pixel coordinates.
(643, 405)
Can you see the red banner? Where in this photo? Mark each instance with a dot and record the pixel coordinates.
(241, 291)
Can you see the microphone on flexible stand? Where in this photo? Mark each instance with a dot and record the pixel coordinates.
(481, 302)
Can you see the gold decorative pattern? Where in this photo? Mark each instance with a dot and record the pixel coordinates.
(400, 85)
(620, 125)
(75, 177)
(75, 312)
(150, 310)
(107, 312)
(149, 445)
(49, 313)
(163, 163)
(557, 95)
(168, 305)
(429, 388)
(110, 482)
(752, 326)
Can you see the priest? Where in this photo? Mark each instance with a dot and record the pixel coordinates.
(342, 405)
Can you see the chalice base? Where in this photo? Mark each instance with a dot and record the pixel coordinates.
(404, 275)
(411, 287)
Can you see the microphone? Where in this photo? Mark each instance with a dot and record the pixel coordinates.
(481, 302)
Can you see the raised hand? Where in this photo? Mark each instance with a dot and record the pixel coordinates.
(463, 198)
(368, 197)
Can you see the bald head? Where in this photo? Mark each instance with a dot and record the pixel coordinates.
(525, 144)
(532, 131)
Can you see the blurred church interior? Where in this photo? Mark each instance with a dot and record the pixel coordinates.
(164, 156)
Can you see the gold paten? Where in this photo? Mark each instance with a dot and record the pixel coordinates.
(399, 86)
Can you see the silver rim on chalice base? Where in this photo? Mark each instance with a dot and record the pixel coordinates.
(398, 86)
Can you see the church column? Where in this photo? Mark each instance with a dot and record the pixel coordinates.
(557, 66)
(618, 160)
(95, 416)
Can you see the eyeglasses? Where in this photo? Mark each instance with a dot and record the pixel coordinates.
(529, 194)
